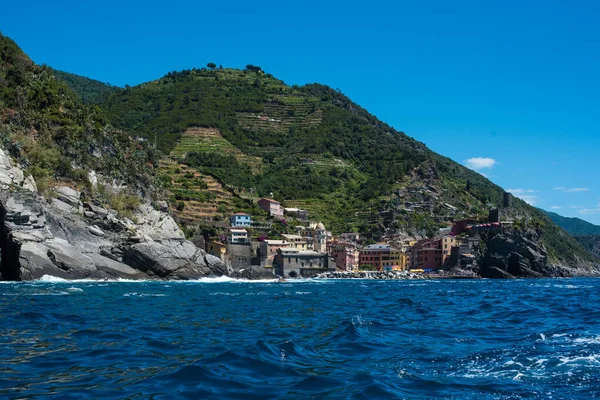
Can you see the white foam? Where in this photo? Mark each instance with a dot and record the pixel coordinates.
(74, 289)
(135, 294)
(587, 340)
(56, 279)
(593, 359)
(50, 278)
(50, 294)
(226, 279)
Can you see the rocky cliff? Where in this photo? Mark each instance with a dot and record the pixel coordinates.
(69, 238)
(516, 254)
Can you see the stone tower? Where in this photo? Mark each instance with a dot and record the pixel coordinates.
(320, 239)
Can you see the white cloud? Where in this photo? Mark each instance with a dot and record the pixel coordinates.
(517, 192)
(531, 200)
(523, 195)
(576, 207)
(575, 190)
(556, 207)
(588, 211)
(478, 163)
(571, 190)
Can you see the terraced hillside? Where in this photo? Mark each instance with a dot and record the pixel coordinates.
(201, 140)
(312, 147)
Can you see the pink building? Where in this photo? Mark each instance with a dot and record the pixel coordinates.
(345, 255)
(271, 206)
(427, 254)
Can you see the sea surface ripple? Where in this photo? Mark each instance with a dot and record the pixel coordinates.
(355, 339)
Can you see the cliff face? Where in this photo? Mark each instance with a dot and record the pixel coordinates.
(71, 239)
(516, 254)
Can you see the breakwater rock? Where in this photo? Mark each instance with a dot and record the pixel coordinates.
(381, 275)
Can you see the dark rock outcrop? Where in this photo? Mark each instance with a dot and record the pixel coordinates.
(515, 254)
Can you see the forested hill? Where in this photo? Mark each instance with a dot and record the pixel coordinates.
(575, 226)
(248, 134)
(89, 90)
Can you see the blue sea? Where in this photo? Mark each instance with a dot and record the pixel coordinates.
(324, 339)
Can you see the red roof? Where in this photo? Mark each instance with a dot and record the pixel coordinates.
(271, 200)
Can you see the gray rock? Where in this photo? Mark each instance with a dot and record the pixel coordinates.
(63, 206)
(34, 263)
(94, 230)
(156, 225)
(162, 206)
(67, 195)
(100, 211)
(255, 272)
(114, 268)
(68, 258)
(172, 259)
(89, 214)
(29, 184)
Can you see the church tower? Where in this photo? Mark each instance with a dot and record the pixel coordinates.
(320, 239)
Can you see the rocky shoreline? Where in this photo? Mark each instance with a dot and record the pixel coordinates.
(65, 236)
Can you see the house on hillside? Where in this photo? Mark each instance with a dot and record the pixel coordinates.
(273, 207)
(241, 220)
(238, 235)
(296, 212)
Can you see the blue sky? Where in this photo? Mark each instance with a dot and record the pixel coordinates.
(509, 88)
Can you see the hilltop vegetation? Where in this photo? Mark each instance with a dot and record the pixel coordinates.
(310, 147)
(575, 226)
(314, 143)
(90, 91)
(52, 134)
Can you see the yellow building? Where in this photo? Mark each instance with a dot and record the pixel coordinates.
(296, 241)
(395, 258)
(447, 242)
(217, 249)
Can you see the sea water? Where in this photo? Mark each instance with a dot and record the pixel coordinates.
(220, 339)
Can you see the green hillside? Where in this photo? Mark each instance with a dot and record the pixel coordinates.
(311, 147)
(56, 137)
(591, 243)
(575, 226)
(89, 90)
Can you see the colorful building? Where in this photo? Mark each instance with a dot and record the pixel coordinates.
(376, 256)
(217, 249)
(241, 220)
(268, 250)
(238, 235)
(460, 226)
(427, 254)
(296, 241)
(273, 207)
(446, 244)
(345, 255)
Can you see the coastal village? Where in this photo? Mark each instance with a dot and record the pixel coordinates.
(312, 250)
